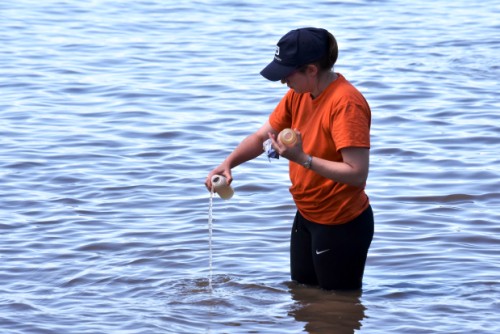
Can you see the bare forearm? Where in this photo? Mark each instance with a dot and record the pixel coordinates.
(248, 149)
(353, 170)
(340, 172)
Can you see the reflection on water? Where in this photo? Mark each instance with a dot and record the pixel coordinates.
(112, 114)
(338, 312)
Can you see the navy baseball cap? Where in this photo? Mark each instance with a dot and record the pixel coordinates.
(297, 48)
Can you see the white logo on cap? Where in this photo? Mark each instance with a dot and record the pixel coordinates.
(277, 50)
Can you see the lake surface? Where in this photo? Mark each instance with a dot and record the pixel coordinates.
(112, 113)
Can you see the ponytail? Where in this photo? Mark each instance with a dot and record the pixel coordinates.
(327, 62)
(333, 50)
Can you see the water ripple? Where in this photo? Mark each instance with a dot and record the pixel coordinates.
(112, 116)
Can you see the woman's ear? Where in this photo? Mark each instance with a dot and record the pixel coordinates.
(312, 70)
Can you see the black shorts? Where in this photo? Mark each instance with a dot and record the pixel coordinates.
(331, 256)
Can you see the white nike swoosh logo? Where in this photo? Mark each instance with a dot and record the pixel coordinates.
(321, 252)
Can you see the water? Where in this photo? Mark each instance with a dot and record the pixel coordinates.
(210, 234)
(113, 113)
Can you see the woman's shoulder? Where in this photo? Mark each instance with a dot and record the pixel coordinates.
(343, 91)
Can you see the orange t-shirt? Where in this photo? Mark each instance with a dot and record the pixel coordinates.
(338, 118)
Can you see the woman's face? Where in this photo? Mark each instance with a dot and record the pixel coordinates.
(300, 81)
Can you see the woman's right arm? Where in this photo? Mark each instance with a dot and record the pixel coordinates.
(248, 149)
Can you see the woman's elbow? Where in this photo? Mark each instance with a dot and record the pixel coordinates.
(359, 179)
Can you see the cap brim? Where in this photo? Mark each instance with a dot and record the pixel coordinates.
(276, 71)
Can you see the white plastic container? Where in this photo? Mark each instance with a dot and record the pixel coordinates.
(220, 186)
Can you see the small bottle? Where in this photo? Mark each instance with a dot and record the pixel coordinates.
(220, 186)
(288, 137)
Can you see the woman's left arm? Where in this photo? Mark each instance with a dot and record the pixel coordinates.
(353, 170)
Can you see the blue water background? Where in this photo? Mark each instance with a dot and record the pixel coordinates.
(113, 112)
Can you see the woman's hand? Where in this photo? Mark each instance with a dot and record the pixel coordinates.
(293, 153)
(223, 170)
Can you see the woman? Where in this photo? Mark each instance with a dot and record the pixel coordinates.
(333, 227)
